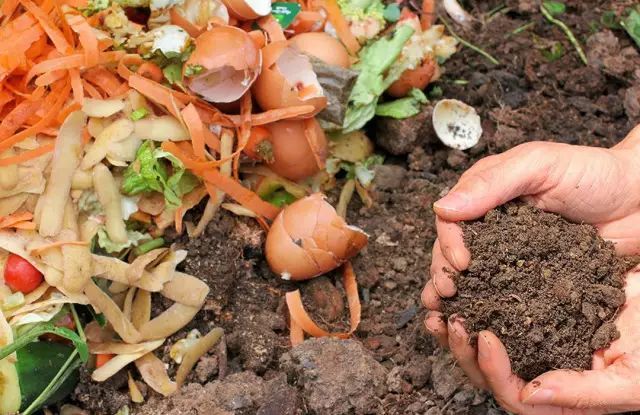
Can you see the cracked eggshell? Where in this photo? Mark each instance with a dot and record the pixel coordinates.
(231, 63)
(322, 46)
(456, 124)
(248, 9)
(308, 238)
(194, 15)
(287, 80)
(299, 148)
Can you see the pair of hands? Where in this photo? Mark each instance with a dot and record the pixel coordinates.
(583, 184)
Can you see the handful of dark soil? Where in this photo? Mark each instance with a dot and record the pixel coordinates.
(548, 288)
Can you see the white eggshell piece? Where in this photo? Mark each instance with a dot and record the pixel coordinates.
(456, 124)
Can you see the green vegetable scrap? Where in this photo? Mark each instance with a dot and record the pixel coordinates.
(94, 6)
(365, 16)
(550, 9)
(285, 13)
(193, 70)
(555, 8)
(150, 172)
(403, 107)
(555, 52)
(375, 60)
(631, 24)
(134, 238)
(139, 114)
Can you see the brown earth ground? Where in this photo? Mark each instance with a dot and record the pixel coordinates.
(391, 366)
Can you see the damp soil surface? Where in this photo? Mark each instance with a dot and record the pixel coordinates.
(548, 288)
(391, 366)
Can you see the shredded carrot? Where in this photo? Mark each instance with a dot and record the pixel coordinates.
(104, 79)
(76, 85)
(241, 194)
(27, 155)
(74, 106)
(301, 319)
(17, 117)
(8, 7)
(27, 226)
(296, 334)
(338, 21)
(244, 130)
(211, 140)
(161, 95)
(61, 97)
(270, 116)
(71, 61)
(50, 77)
(87, 38)
(150, 70)
(38, 250)
(428, 13)
(179, 213)
(196, 130)
(141, 217)
(49, 26)
(7, 221)
(91, 90)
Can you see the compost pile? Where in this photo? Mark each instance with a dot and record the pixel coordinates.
(548, 288)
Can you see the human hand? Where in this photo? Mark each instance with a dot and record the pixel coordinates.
(612, 386)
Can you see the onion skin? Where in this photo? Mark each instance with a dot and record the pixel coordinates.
(294, 158)
(322, 46)
(413, 78)
(308, 239)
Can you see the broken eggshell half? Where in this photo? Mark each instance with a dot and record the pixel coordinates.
(194, 15)
(287, 80)
(456, 124)
(308, 238)
(248, 9)
(223, 65)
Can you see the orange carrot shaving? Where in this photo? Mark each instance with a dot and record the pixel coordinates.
(74, 106)
(296, 334)
(196, 130)
(130, 59)
(150, 70)
(273, 29)
(17, 118)
(104, 79)
(300, 318)
(7, 221)
(50, 77)
(76, 86)
(270, 116)
(87, 38)
(244, 131)
(338, 21)
(157, 93)
(27, 155)
(8, 7)
(71, 61)
(49, 26)
(428, 13)
(211, 140)
(178, 215)
(241, 194)
(91, 90)
(61, 97)
(141, 217)
(27, 226)
(40, 249)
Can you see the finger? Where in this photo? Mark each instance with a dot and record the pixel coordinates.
(617, 389)
(464, 352)
(435, 324)
(441, 272)
(631, 141)
(451, 242)
(430, 297)
(523, 170)
(623, 233)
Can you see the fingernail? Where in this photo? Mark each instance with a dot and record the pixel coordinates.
(539, 397)
(483, 349)
(453, 202)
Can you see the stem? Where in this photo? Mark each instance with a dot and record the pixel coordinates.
(149, 246)
(567, 32)
(522, 28)
(345, 197)
(79, 328)
(471, 46)
(65, 371)
(39, 330)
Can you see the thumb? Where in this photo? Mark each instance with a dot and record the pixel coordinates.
(631, 141)
(613, 389)
(491, 182)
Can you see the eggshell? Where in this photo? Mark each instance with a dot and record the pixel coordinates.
(456, 124)
(308, 239)
(285, 74)
(299, 148)
(231, 63)
(322, 46)
(413, 78)
(248, 9)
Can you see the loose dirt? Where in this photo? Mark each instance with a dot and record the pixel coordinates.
(548, 288)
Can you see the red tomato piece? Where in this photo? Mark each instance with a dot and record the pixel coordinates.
(20, 275)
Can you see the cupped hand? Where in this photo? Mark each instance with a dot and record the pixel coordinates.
(583, 184)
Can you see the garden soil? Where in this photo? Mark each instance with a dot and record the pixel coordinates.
(548, 288)
(391, 366)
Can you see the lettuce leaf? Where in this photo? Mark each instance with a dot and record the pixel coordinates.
(373, 80)
(631, 24)
(404, 107)
(149, 172)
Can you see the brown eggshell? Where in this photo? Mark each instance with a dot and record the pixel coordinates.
(294, 157)
(231, 63)
(413, 78)
(248, 9)
(322, 46)
(308, 239)
(272, 90)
